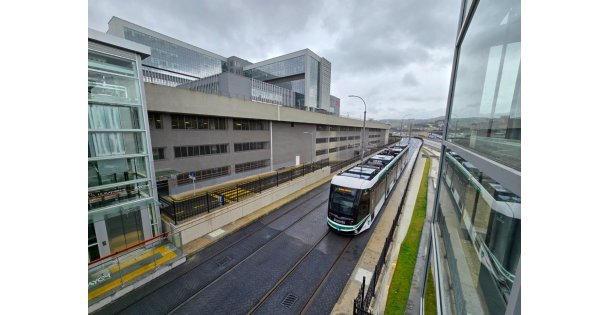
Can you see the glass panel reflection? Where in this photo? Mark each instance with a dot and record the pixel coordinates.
(118, 194)
(116, 170)
(480, 224)
(108, 88)
(486, 111)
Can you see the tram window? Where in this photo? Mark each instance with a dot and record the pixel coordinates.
(343, 201)
(363, 205)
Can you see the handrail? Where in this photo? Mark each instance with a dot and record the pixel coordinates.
(129, 248)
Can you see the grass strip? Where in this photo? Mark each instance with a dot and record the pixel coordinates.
(399, 289)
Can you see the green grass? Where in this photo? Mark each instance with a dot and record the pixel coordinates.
(430, 306)
(399, 289)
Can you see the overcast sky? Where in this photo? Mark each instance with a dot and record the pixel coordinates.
(396, 54)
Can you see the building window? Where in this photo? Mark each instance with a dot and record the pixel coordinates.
(249, 124)
(196, 150)
(342, 148)
(321, 140)
(343, 138)
(158, 153)
(243, 167)
(333, 139)
(155, 121)
(332, 150)
(322, 128)
(197, 122)
(250, 146)
(321, 152)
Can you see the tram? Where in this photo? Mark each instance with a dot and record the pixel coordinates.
(357, 194)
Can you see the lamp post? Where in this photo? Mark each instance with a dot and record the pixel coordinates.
(312, 141)
(363, 135)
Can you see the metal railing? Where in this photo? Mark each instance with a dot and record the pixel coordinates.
(363, 300)
(184, 209)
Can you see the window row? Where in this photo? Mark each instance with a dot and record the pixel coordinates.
(249, 124)
(335, 139)
(373, 136)
(188, 151)
(243, 167)
(337, 128)
(209, 173)
(250, 146)
(321, 152)
(197, 122)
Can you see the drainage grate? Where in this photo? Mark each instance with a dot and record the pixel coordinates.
(223, 261)
(289, 300)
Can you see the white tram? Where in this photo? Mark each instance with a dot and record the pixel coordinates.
(357, 194)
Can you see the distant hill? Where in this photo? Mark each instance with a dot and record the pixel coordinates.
(396, 123)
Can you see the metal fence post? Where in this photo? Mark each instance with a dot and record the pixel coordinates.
(208, 204)
(174, 215)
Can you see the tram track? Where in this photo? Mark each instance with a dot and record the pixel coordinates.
(244, 260)
(116, 309)
(285, 277)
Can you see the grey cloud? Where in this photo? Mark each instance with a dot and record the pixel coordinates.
(410, 79)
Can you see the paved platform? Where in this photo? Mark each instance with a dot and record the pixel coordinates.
(114, 274)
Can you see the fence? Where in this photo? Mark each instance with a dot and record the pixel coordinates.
(182, 210)
(363, 300)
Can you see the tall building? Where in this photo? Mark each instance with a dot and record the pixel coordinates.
(122, 200)
(302, 72)
(299, 79)
(172, 62)
(476, 230)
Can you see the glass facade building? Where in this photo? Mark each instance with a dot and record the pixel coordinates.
(171, 62)
(476, 230)
(301, 72)
(122, 207)
(177, 64)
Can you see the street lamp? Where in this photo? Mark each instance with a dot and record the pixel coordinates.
(312, 141)
(363, 135)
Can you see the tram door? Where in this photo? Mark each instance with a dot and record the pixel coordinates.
(124, 230)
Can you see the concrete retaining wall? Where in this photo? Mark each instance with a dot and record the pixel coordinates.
(210, 222)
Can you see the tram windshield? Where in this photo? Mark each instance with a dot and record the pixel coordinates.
(343, 201)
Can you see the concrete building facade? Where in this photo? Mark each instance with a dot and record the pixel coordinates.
(476, 230)
(221, 138)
